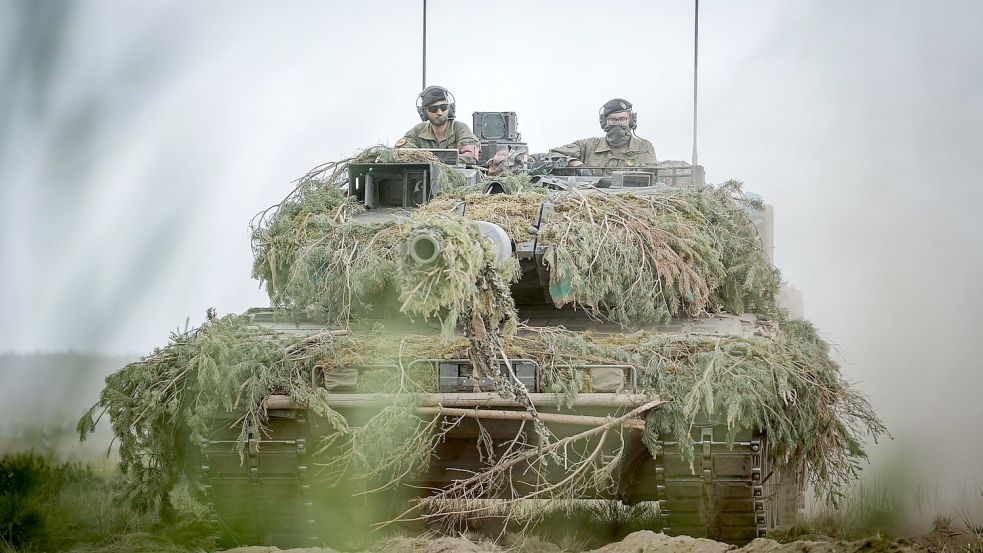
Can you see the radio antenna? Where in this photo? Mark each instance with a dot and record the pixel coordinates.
(424, 45)
(696, 58)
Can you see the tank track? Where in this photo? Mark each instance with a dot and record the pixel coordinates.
(730, 495)
(263, 497)
(723, 500)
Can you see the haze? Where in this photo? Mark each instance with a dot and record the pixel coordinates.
(137, 139)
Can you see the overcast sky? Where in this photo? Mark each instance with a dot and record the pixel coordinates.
(137, 139)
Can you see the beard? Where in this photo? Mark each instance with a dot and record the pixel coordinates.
(439, 120)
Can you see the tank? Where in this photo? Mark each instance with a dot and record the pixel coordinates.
(729, 487)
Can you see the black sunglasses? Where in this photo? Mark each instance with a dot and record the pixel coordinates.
(441, 107)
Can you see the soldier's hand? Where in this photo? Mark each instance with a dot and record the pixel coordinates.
(495, 163)
(400, 143)
(469, 153)
(574, 163)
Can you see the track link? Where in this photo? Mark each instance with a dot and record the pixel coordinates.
(722, 498)
(262, 497)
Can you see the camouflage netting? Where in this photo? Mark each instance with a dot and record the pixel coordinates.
(629, 258)
(513, 212)
(318, 262)
(634, 259)
(781, 380)
(641, 259)
(165, 402)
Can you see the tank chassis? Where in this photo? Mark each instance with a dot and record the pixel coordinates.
(272, 495)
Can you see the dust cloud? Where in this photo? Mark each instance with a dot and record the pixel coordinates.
(861, 121)
(133, 153)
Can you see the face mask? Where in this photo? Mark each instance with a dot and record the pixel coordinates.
(617, 135)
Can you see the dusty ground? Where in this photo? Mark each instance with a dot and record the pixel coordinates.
(638, 542)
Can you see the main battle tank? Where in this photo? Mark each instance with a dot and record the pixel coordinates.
(720, 481)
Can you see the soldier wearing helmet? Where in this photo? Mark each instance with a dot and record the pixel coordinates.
(619, 147)
(439, 129)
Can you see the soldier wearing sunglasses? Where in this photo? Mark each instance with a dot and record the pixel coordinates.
(439, 129)
(619, 147)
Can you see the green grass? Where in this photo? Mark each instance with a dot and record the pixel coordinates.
(889, 505)
(871, 508)
(591, 524)
(54, 506)
(971, 517)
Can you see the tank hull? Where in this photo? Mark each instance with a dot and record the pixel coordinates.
(275, 492)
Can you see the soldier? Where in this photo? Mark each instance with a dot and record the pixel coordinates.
(619, 147)
(439, 128)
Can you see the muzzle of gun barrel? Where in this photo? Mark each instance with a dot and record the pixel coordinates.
(424, 246)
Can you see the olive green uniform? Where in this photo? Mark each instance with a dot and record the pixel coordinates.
(595, 152)
(456, 136)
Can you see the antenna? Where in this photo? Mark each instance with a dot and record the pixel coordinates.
(424, 45)
(696, 58)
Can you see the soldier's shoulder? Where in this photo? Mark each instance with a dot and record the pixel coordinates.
(590, 145)
(592, 141)
(645, 145)
(577, 148)
(417, 129)
(460, 126)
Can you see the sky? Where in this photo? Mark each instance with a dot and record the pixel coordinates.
(137, 140)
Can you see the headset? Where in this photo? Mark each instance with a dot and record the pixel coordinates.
(422, 110)
(626, 106)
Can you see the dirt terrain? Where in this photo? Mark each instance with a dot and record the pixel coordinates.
(637, 542)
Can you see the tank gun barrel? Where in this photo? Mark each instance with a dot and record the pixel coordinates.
(425, 246)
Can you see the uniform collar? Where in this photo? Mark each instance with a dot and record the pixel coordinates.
(632, 145)
(430, 135)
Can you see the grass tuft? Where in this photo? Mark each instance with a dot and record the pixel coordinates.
(52, 505)
(871, 508)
